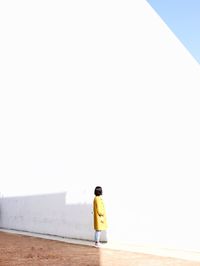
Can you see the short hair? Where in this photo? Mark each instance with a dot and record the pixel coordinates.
(98, 191)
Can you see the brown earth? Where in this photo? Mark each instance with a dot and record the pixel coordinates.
(18, 250)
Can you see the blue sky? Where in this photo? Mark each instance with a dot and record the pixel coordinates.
(183, 18)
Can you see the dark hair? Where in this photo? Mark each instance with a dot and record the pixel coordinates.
(98, 191)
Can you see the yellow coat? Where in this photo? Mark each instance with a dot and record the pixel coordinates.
(100, 222)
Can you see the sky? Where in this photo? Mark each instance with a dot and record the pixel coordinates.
(183, 18)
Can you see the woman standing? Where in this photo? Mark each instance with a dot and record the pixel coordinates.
(100, 222)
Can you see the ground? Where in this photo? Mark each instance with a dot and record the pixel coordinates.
(18, 250)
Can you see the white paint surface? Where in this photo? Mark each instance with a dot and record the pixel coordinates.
(99, 93)
(48, 214)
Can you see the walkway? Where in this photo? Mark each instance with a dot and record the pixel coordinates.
(32, 248)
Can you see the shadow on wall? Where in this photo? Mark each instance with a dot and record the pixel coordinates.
(48, 214)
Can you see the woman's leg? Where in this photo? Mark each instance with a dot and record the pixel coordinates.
(97, 236)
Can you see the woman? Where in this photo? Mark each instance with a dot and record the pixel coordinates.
(100, 222)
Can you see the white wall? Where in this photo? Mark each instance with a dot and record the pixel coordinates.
(48, 214)
(101, 93)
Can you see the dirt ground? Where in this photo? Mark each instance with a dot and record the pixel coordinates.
(18, 250)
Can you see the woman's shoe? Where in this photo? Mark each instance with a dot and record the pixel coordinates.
(97, 245)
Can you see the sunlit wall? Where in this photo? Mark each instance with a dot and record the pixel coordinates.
(102, 93)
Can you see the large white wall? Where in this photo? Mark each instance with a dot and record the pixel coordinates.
(48, 214)
(99, 93)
